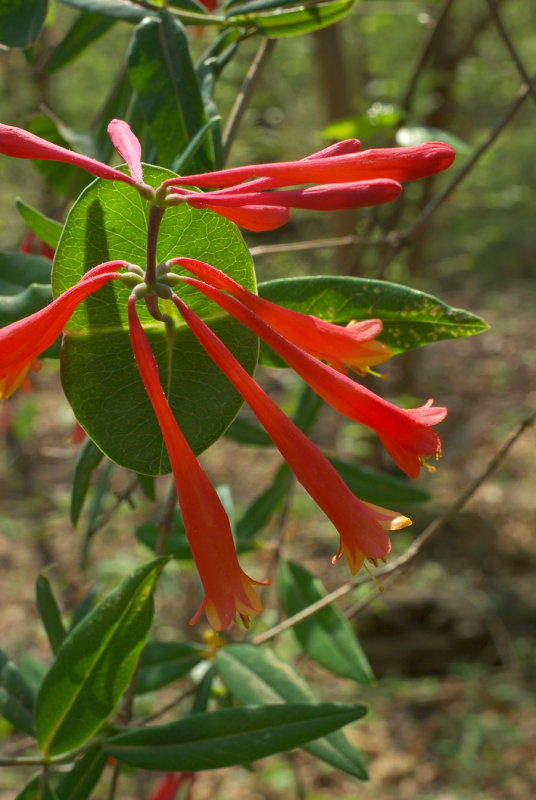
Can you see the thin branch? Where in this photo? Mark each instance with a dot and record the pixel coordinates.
(428, 47)
(245, 93)
(402, 238)
(316, 244)
(414, 549)
(510, 45)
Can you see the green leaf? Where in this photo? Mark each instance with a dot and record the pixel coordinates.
(37, 789)
(16, 697)
(245, 432)
(263, 506)
(147, 486)
(116, 9)
(256, 675)
(374, 486)
(49, 612)
(295, 21)
(85, 30)
(88, 459)
(28, 301)
(62, 178)
(83, 777)
(230, 736)
(22, 270)
(47, 229)
(327, 637)
(163, 76)
(176, 542)
(410, 318)
(21, 21)
(95, 663)
(100, 378)
(164, 662)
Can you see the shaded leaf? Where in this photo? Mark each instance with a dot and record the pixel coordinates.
(88, 459)
(327, 637)
(79, 782)
(229, 736)
(256, 675)
(164, 662)
(49, 612)
(49, 230)
(21, 21)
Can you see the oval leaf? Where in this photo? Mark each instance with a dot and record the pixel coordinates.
(164, 662)
(410, 318)
(327, 637)
(256, 675)
(100, 378)
(95, 663)
(230, 736)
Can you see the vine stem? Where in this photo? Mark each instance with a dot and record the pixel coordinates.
(250, 81)
(414, 549)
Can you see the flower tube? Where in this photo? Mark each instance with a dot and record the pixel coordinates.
(22, 341)
(353, 346)
(361, 527)
(228, 590)
(406, 434)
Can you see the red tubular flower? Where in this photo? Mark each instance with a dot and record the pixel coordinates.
(22, 341)
(168, 787)
(228, 590)
(396, 163)
(361, 527)
(353, 346)
(406, 434)
(127, 145)
(327, 197)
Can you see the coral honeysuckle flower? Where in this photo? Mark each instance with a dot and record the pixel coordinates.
(228, 590)
(407, 435)
(361, 527)
(19, 143)
(396, 163)
(22, 341)
(351, 346)
(347, 178)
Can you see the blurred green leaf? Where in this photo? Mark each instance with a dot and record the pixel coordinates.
(85, 30)
(256, 675)
(417, 135)
(37, 789)
(229, 736)
(374, 486)
(176, 542)
(263, 506)
(21, 21)
(327, 637)
(164, 662)
(117, 9)
(88, 459)
(95, 663)
(162, 74)
(47, 229)
(49, 612)
(79, 782)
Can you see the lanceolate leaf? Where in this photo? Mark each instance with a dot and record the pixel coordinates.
(49, 612)
(95, 663)
(230, 736)
(88, 459)
(79, 783)
(297, 20)
(256, 675)
(163, 76)
(164, 662)
(410, 318)
(37, 789)
(47, 229)
(374, 486)
(99, 374)
(327, 637)
(117, 9)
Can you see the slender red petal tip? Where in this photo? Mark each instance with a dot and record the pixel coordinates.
(127, 145)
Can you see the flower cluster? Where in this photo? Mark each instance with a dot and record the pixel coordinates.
(319, 351)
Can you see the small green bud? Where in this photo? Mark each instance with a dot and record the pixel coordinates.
(171, 279)
(130, 279)
(162, 290)
(141, 290)
(162, 269)
(136, 269)
(147, 192)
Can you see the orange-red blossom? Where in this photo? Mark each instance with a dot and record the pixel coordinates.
(228, 590)
(361, 526)
(407, 435)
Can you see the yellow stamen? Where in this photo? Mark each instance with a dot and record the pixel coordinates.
(379, 587)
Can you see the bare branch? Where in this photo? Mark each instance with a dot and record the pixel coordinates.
(413, 550)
